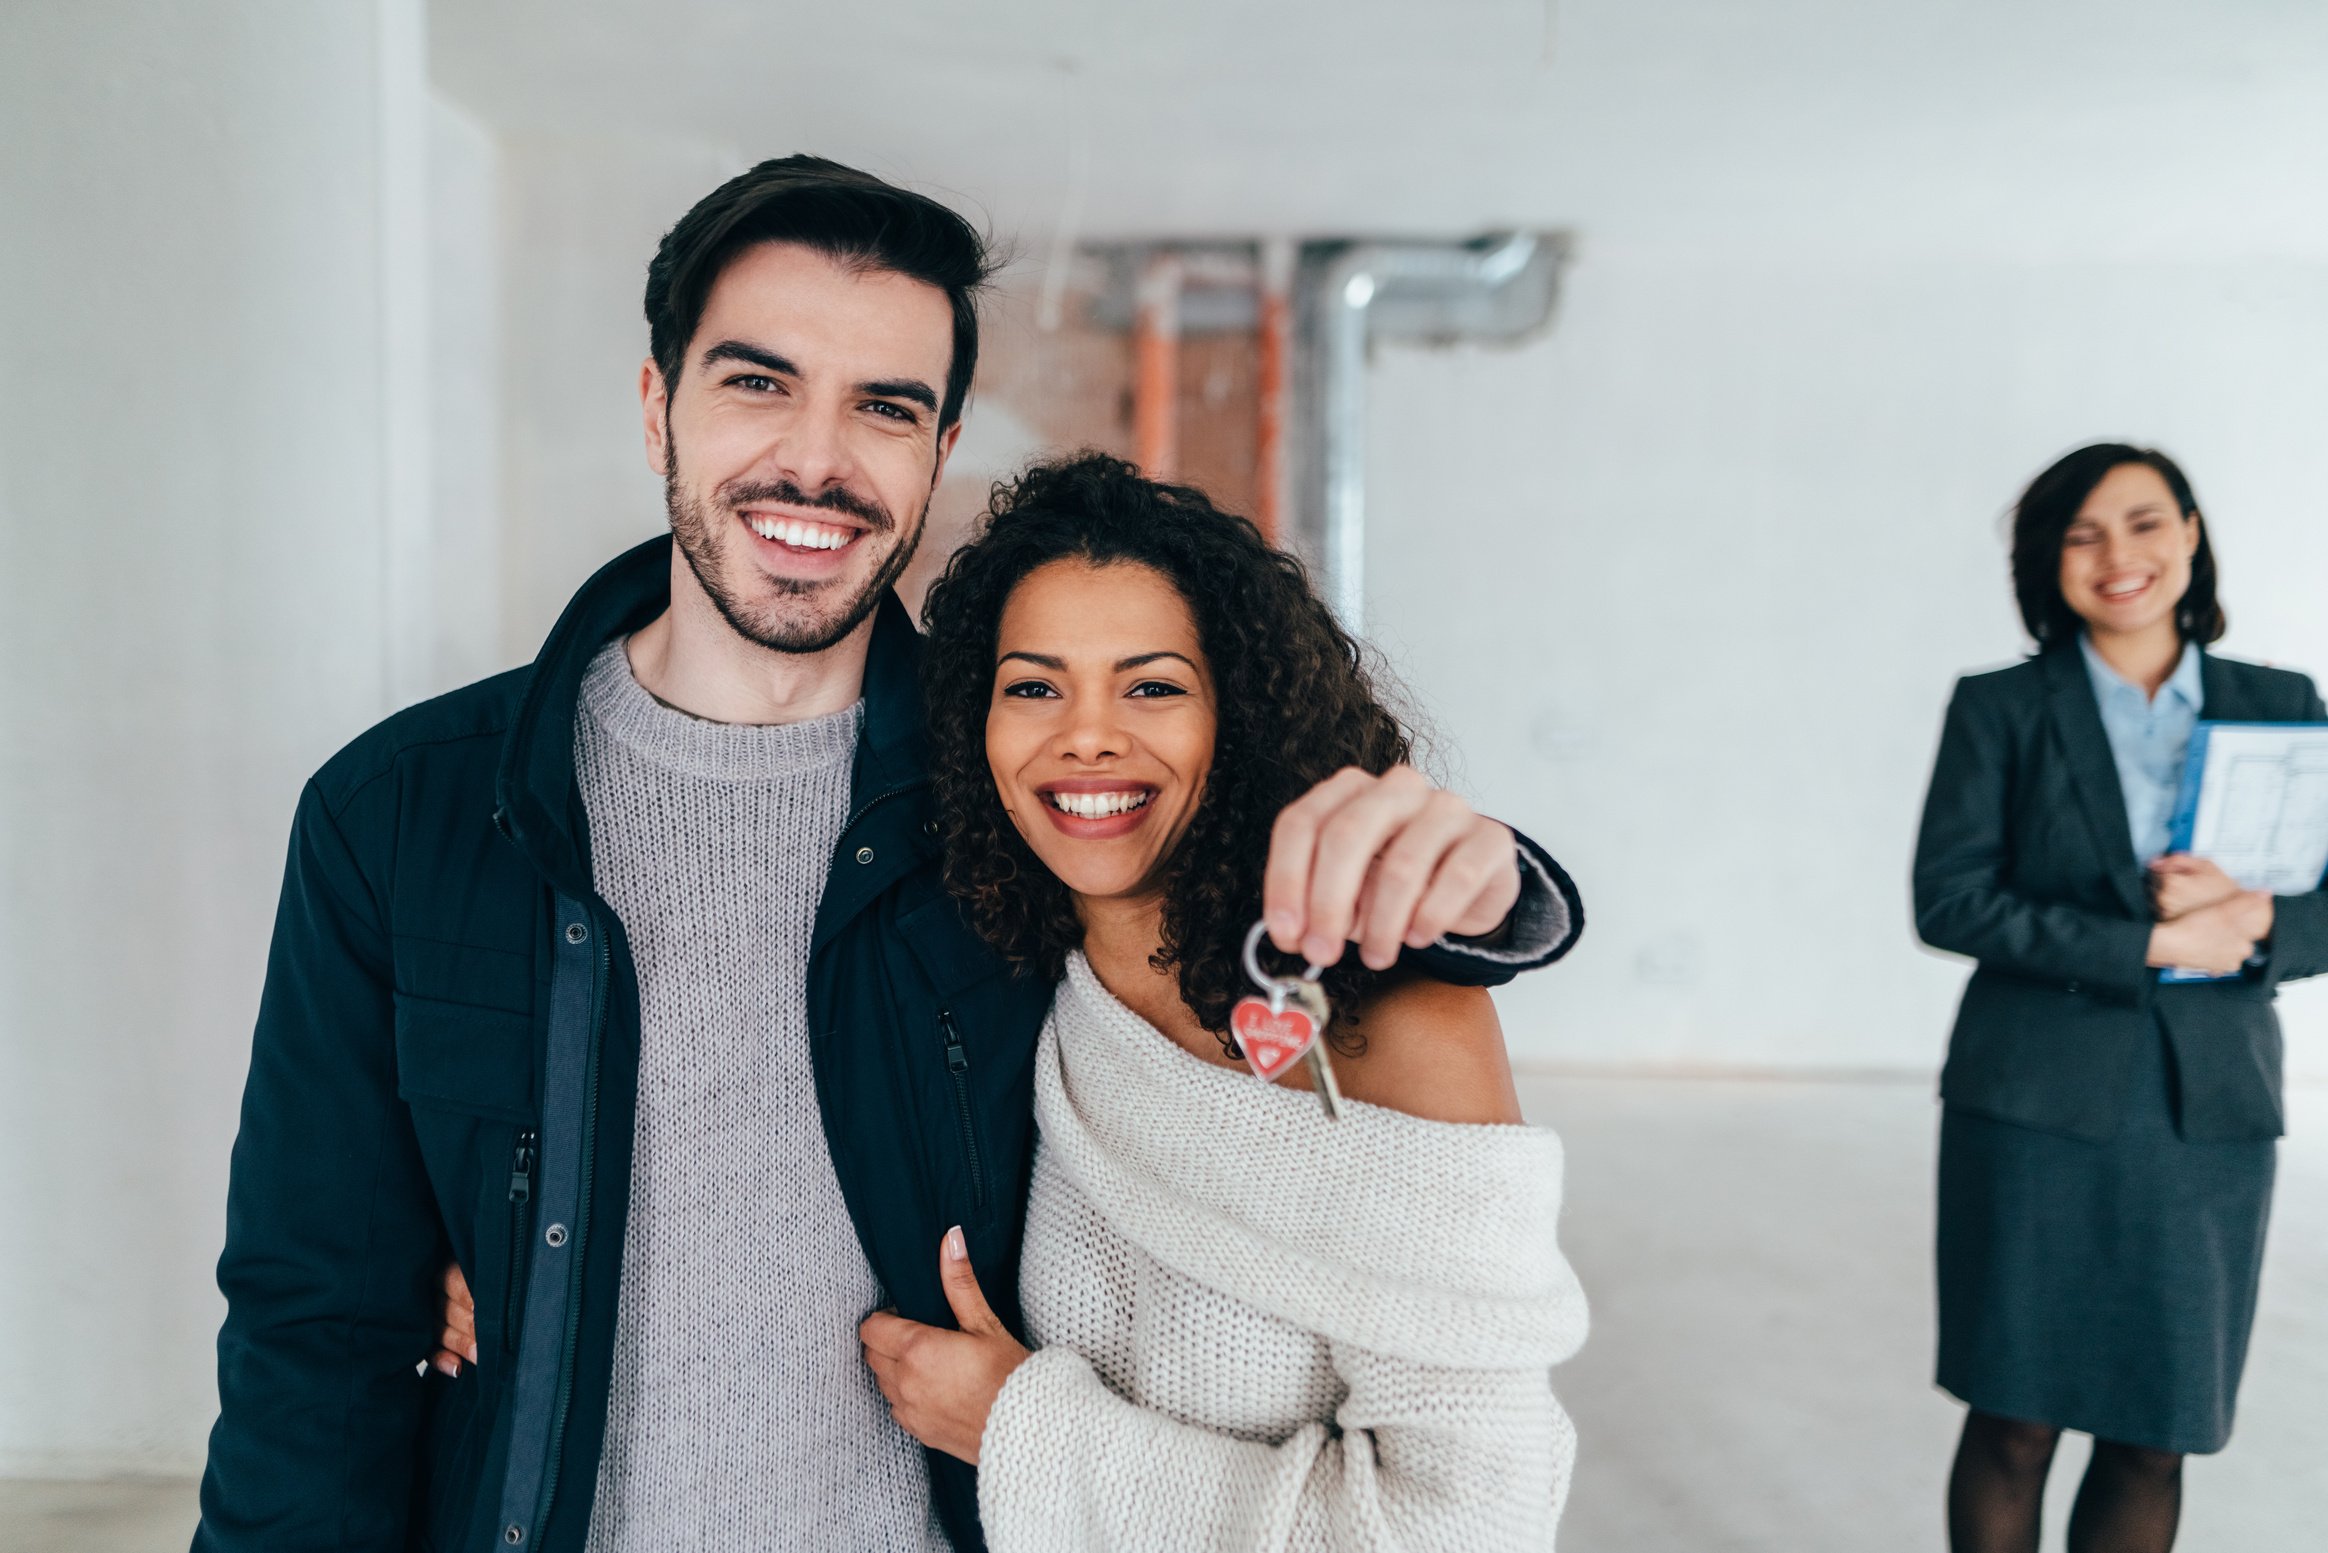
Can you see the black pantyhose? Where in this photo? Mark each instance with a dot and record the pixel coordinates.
(1996, 1493)
(2129, 1502)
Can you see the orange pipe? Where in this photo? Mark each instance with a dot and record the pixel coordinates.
(1156, 369)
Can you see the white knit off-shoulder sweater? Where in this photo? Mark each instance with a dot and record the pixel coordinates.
(1256, 1328)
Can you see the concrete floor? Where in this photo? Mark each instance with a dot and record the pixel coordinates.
(142, 1515)
(1758, 1256)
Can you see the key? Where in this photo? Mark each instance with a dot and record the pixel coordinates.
(1318, 1058)
(1286, 1026)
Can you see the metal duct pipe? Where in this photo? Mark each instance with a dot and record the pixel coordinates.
(1445, 286)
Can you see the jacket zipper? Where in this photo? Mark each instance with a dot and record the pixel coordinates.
(521, 1169)
(958, 1068)
(868, 806)
(581, 1227)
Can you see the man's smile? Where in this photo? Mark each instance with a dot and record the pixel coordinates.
(794, 532)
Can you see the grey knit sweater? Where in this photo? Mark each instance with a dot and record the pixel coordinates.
(741, 1414)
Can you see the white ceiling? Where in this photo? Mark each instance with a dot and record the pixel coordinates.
(2033, 129)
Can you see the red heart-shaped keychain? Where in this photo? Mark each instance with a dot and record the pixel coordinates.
(1272, 1039)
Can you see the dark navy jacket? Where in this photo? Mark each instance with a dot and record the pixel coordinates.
(2026, 864)
(446, 1064)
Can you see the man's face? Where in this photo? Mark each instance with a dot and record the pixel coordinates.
(800, 444)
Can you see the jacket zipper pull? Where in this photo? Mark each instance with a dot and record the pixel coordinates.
(958, 1067)
(521, 1166)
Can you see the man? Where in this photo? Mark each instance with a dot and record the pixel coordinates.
(626, 981)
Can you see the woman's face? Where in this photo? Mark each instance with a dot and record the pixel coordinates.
(2126, 559)
(1102, 722)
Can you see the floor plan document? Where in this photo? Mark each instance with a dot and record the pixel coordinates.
(2255, 799)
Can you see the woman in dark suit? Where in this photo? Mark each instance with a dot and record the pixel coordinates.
(2107, 1141)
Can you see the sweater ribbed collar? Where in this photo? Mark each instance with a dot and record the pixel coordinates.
(679, 741)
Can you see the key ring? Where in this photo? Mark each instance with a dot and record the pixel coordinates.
(1274, 987)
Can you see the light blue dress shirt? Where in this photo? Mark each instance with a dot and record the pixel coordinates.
(2148, 739)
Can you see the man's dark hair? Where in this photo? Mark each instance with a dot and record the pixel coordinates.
(1294, 698)
(849, 216)
(2041, 520)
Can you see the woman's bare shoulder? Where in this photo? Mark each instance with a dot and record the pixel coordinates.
(1433, 1051)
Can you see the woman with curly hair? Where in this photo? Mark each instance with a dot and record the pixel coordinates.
(1252, 1325)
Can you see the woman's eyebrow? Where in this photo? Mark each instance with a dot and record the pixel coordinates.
(1137, 660)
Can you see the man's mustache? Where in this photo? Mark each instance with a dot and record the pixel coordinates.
(833, 499)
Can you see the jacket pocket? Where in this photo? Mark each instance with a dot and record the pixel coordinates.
(461, 1057)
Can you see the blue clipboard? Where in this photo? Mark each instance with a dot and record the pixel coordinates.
(2182, 823)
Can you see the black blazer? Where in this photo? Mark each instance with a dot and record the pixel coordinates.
(2024, 862)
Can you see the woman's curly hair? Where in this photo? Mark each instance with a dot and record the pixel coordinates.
(1295, 705)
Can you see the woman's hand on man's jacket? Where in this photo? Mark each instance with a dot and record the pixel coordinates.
(940, 1385)
(458, 1341)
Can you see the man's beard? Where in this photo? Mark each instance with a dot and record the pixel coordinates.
(697, 529)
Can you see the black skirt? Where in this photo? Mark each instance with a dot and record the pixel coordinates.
(2103, 1287)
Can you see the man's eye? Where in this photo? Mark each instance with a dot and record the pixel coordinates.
(1029, 690)
(895, 412)
(754, 381)
(1158, 687)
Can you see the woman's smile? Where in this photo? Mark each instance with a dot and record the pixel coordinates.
(1096, 808)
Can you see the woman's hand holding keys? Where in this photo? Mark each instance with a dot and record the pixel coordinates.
(1384, 862)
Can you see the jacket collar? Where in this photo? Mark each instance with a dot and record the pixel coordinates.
(537, 802)
(2226, 696)
(2077, 717)
(893, 748)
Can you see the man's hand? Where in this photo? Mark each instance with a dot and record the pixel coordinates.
(940, 1385)
(2181, 884)
(1387, 861)
(2218, 938)
(458, 1341)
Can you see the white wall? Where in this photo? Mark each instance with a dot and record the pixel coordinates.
(1688, 581)
(465, 392)
(194, 393)
(580, 216)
